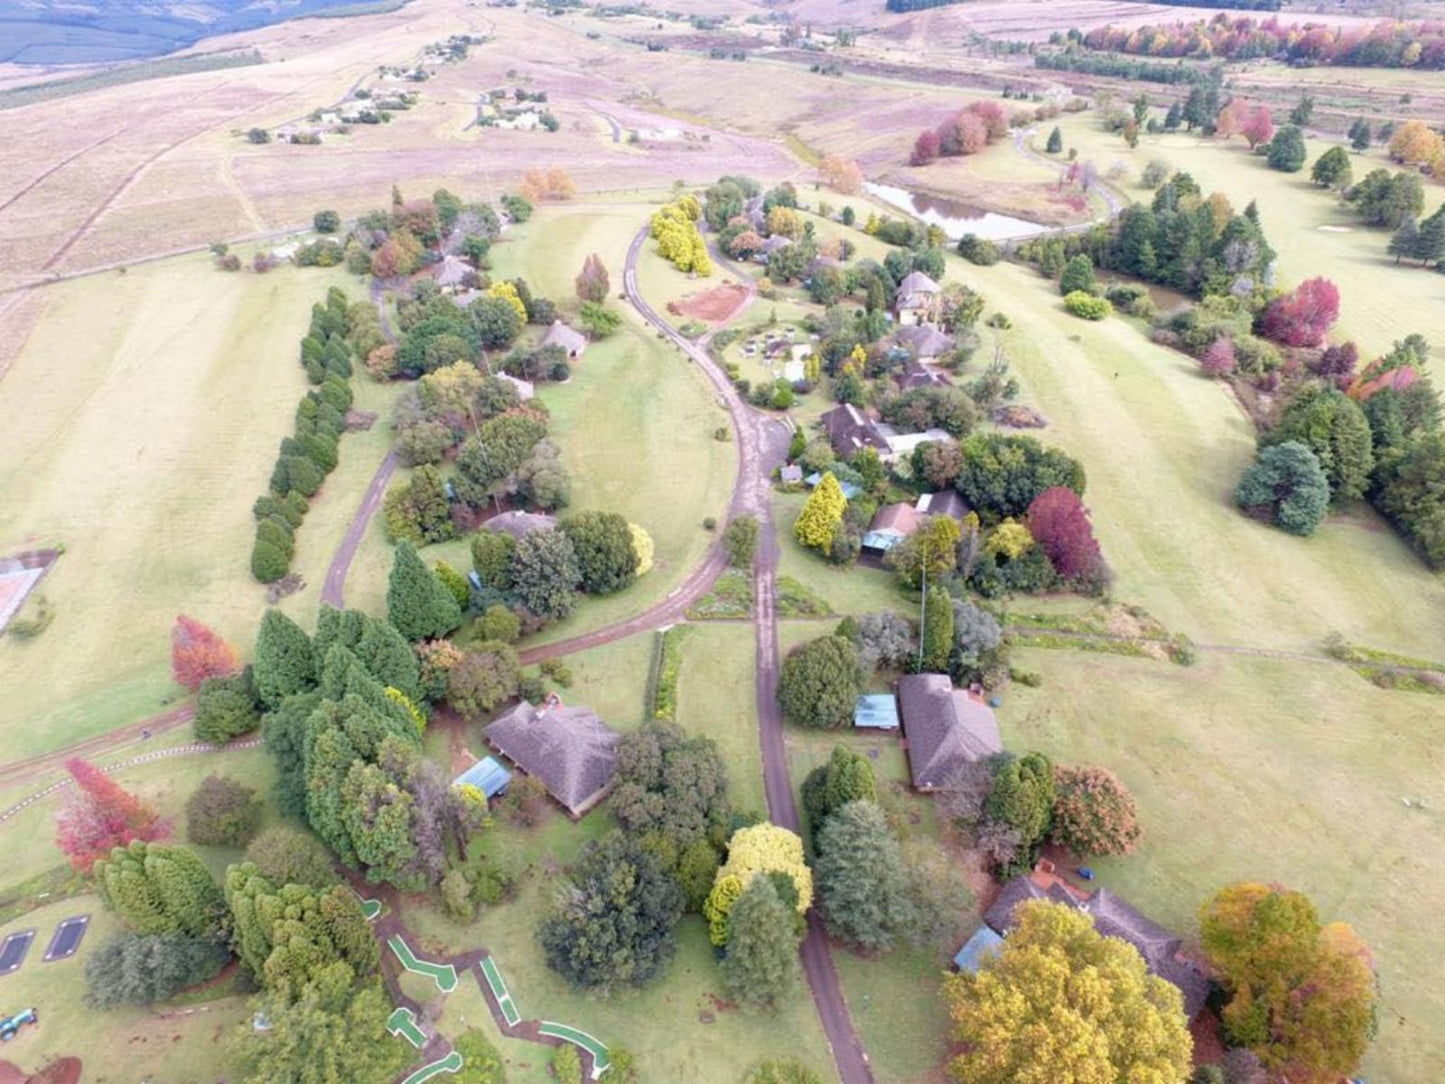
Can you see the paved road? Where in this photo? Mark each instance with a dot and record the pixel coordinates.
(763, 445)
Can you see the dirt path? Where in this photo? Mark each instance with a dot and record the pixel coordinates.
(762, 444)
(1112, 200)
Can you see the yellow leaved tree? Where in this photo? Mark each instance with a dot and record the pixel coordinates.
(821, 515)
(762, 848)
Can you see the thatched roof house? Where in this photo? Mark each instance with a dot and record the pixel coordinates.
(453, 272)
(569, 339)
(567, 748)
(944, 727)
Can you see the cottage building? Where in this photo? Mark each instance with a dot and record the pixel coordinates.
(569, 339)
(519, 524)
(891, 525)
(947, 503)
(1113, 917)
(917, 299)
(567, 748)
(924, 342)
(850, 430)
(453, 273)
(943, 728)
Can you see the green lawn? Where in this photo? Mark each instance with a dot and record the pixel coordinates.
(857, 590)
(1171, 532)
(1379, 301)
(1274, 771)
(118, 1046)
(141, 420)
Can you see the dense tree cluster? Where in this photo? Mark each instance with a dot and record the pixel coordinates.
(310, 453)
(1386, 44)
(674, 228)
(1120, 67)
(967, 132)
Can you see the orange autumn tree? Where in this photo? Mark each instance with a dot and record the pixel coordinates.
(101, 815)
(198, 653)
(1302, 995)
(841, 174)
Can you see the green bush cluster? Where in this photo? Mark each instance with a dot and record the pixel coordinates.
(669, 665)
(1087, 305)
(310, 453)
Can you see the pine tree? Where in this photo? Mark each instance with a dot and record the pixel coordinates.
(284, 664)
(937, 630)
(760, 968)
(1406, 240)
(1430, 244)
(159, 889)
(821, 515)
(1056, 141)
(1173, 118)
(418, 603)
(1360, 135)
(862, 886)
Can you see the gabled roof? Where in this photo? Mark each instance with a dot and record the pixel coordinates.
(525, 388)
(944, 503)
(850, 430)
(792, 473)
(775, 242)
(569, 339)
(902, 518)
(945, 728)
(518, 524)
(567, 748)
(916, 282)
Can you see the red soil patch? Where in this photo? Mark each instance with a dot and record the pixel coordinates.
(60, 1071)
(11, 1074)
(713, 306)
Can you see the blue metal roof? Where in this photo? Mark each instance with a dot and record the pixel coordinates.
(487, 775)
(877, 712)
(849, 489)
(983, 944)
(881, 540)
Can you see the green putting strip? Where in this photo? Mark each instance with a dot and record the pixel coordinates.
(449, 1064)
(444, 975)
(499, 992)
(402, 1023)
(600, 1061)
(370, 908)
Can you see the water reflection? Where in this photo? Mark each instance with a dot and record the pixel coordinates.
(955, 217)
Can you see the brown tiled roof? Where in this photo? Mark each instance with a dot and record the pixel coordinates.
(903, 518)
(850, 430)
(567, 748)
(944, 726)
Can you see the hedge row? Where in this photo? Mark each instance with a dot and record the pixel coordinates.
(310, 453)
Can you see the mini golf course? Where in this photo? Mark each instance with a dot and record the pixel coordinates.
(600, 1061)
(371, 908)
(402, 1024)
(444, 975)
(449, 1064)
(500, 992)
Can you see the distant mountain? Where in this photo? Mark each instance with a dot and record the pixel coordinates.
(105, 31)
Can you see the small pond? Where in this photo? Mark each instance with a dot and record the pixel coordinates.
(954, 217)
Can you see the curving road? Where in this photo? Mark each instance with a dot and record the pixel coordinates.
(763, 445)
(1112, 200)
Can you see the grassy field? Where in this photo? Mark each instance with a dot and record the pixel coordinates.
(131, 1044)
(141, 421)
(1314, 234)
(1172, 534)
(1275, 771)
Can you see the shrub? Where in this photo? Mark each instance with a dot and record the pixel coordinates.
(1087, 305)
(138, 970)
(222, 813)
(1078, 275)
(481, 1061)
(286, 855)
(820, 683)
(226, 708)
(977, 251)
(566, 1065)
(1287, 485)
(740, 539)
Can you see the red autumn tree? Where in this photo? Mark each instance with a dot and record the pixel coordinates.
(1258, 127)
(1303, 317)
(198, 653)
(101, 815)
(995, 120)
(925, 148)
(1218, 360)
(1060, 525)
(1094, 813)
(1337, 364)
(592, 281)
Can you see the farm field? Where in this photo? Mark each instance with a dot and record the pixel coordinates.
(1314, 234)
(1172, 534)
(1261, 769)
(155, 516)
